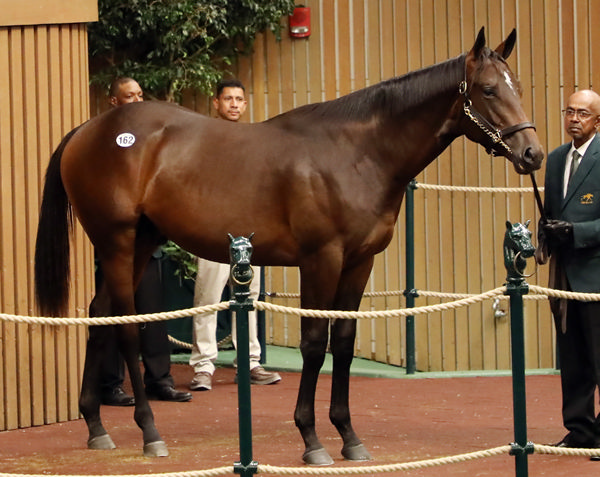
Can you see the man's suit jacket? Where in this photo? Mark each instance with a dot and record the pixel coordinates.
(581, 206)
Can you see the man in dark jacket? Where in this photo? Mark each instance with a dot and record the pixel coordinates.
(154, 339)
(572, 234)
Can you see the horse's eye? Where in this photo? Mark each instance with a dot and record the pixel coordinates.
(489, 92)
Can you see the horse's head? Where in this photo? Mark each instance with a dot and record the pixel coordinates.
(240, 251)
(492, 111)
(517, 247)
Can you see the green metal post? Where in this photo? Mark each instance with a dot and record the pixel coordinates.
(410, 292)
(516, 287)
(240, 279)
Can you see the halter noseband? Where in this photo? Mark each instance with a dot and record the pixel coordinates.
(488, 128)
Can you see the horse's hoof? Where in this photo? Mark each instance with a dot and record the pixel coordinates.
(103, 442)
(156, 449)
(356, 452)
(317, 457)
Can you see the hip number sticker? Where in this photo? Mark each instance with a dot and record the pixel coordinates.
(125, 140)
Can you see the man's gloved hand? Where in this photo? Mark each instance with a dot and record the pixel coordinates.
(542, 251)
(558, 232)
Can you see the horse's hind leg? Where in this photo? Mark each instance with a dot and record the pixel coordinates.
(128, 340)
(343, 334)
(89, 398)
(121, 277)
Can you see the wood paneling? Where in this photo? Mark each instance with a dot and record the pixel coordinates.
(44, 84)
(45, 12)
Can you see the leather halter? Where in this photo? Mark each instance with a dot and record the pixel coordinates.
(488, 128)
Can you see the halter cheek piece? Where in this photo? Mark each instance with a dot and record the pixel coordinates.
(493, 132)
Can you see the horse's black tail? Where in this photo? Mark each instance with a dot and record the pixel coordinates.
(52, 248)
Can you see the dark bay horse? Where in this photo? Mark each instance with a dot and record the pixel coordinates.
(320, 187)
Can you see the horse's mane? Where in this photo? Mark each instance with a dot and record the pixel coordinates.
(392, 96)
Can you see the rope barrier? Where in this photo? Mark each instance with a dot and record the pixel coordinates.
(260, 305)
(538, 293)
(228, 470)
(269, 469)
(369, 469)
(361, 470)
(567, 295)
(418, 294)
(474, 189)
(115, 320)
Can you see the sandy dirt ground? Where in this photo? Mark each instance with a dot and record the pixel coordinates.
(399, 420)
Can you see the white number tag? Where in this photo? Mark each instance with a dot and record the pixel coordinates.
(125, 140)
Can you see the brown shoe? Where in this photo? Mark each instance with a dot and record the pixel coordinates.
(202, 381)
(260, 375)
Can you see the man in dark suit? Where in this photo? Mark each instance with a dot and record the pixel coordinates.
(154, 338)
(572, 234)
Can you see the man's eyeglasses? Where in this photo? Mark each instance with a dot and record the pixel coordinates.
(580, 113)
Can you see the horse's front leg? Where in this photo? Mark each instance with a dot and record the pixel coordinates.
(313, 345)
(128, 339)
(343, 334)
(89, 398)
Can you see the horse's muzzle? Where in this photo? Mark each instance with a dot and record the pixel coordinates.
(529, 160)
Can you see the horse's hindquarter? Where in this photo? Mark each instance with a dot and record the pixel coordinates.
(101, 175)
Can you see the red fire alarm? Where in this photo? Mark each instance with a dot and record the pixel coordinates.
(300, 22)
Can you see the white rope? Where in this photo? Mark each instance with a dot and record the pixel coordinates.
(269, 469)
(370, 469)
(261, 305)
(474, 189)
(115, 320)
(565, 294)
(228, 470)
(568, 451)
(418, 294)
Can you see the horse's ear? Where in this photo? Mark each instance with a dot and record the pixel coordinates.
(250, 238)
(231, 238)
(508, 225)
(479, 43)
(527, 223)
(506, 47)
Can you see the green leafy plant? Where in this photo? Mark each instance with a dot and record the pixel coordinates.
(171, 45)
(188, 264)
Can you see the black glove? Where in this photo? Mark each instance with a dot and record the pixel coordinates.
(542, 252)
(558, 232)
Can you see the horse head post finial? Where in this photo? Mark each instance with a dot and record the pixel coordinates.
(517, 248)
(241, 273)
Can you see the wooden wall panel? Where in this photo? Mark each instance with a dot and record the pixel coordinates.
(44, 80)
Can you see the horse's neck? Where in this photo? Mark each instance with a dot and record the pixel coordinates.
(421, 134)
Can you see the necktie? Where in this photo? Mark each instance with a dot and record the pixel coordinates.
(574, 165)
